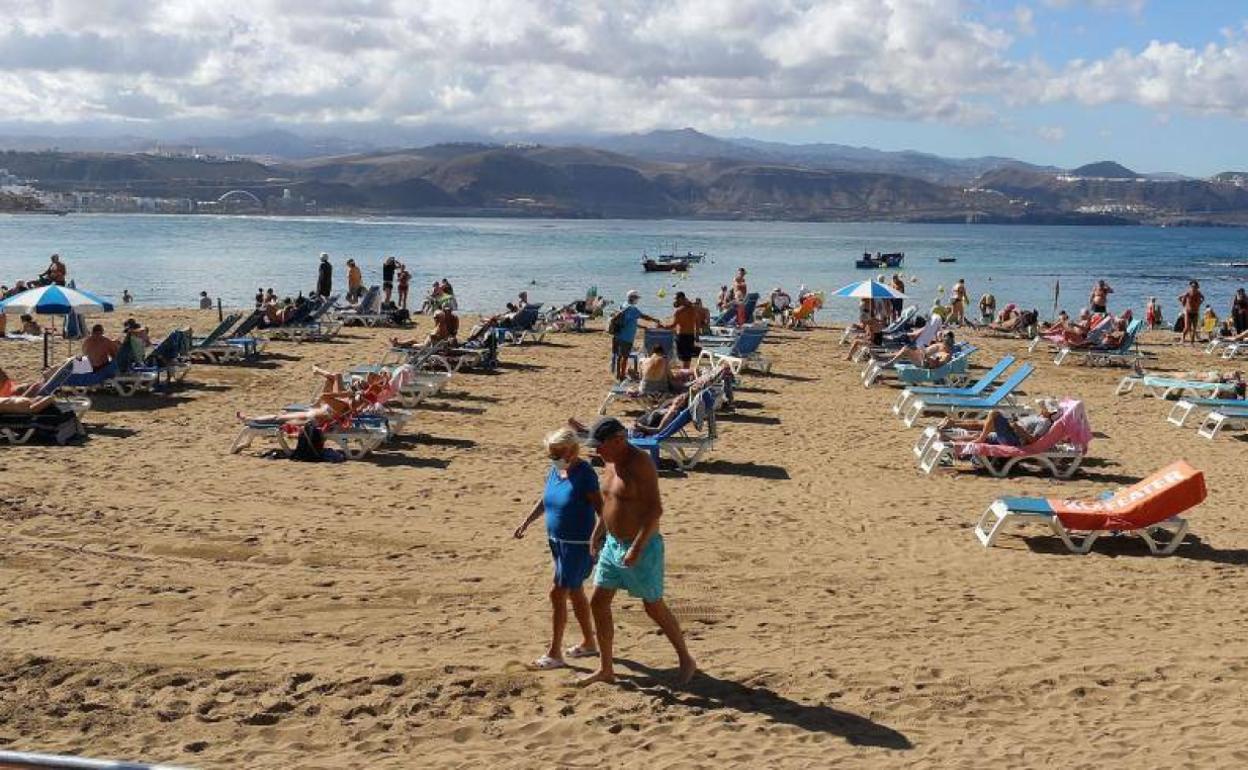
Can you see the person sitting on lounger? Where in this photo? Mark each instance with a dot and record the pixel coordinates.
(336, 401)
(655, 373)
(29, 326)
(933, 356)
(1008, 321)
(872, 335)
(446, 328)
(98, 349)
(998, 429)
(136, 329)
(10, 387)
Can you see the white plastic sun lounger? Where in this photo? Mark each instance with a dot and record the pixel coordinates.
(1225, 417)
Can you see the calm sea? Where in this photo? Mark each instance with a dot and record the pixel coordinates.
(168, 260)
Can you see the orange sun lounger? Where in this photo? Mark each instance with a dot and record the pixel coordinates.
(1146, 509)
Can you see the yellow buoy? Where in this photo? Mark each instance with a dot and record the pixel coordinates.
(662, 293)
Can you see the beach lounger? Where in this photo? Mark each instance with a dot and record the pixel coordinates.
(213, 349)
(898, 340)
(726, 324)
(742, 354)
(1001, 399)
(1060, 451)
(902, 322)
(1126, 352)
(1233, 417)
(55, 381)
(1167, 387)
(1146, 509)
(124, 375)
(1184, 407)
(357, 439)
(952, 371)
(1057, 340)
(688, 437)
(57, 424)
(972, 391)
(1232, 349)
(525, 325)
(317, 326)
(367, 312)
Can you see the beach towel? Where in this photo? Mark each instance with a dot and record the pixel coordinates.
(1070, 427)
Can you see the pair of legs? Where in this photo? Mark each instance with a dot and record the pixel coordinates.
(559, 599)
(24, 405)
(1191, 326)
(983, 427)
(403, 297)
(604, 623)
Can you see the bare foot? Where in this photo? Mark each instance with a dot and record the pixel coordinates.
(606, 677)
(240, 417)
(688, 669)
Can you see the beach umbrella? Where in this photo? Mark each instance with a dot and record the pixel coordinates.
(54, 300)
(868, 290)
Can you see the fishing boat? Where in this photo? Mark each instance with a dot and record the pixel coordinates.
(946, 259)
(880, 260)
(671, 262)
(658, 265)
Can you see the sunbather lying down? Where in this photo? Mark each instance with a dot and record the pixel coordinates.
(336, 400)
(24, 405)
(998, 429)
(933, 356)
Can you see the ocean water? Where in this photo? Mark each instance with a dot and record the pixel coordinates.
(167, 260)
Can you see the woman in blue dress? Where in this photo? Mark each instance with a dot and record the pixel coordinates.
(572, 504)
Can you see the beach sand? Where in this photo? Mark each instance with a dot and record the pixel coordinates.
(163, 600)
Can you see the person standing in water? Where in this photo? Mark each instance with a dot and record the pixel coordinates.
(629, 547)
(324, 276)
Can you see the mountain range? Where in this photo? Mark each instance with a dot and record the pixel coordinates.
(681, 173)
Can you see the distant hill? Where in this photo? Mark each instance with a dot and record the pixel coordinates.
(1105, 169)
(675, 174)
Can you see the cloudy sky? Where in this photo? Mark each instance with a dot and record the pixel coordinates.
(1157, 84)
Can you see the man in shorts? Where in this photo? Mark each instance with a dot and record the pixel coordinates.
(685, 322)
(629, 547)
(1191, 300)
(622, 341)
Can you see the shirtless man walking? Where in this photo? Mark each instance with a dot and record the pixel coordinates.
(629, 547)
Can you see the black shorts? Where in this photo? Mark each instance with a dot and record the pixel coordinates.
(877, 339)
(387, 285)
(1098, 308)
(687, 347)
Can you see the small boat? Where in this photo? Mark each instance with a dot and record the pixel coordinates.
(880, 260)
(652, 265)
(1239, 264)
(946, 259)
(670, 262)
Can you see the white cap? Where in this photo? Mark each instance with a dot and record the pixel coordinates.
(633, 294)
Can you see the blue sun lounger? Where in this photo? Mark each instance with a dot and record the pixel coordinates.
(741, 354)
(1183, 408)
(524, 326)
(951, 391)
(689, 436)
(1223, 417)
(952, 371)
(1125, 352)
(1002, 399)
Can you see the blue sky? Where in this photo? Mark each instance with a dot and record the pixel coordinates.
(1146, 138)
(1157, 85)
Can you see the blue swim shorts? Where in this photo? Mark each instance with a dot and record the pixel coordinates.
(572, 563)
(643, 580)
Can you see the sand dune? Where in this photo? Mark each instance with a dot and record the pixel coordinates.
(167, 601)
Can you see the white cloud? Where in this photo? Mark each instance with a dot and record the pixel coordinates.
(1052, 134)
(498, 64)
(528, 65)
(1162, 76)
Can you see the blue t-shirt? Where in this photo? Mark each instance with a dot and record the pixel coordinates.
(569, 514)
(629, 317)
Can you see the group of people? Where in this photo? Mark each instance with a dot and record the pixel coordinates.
(689, 319)
(56, 273)
(393, 274)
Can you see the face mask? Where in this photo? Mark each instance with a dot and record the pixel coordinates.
(559, 464)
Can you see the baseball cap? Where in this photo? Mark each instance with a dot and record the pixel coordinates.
(603, 429)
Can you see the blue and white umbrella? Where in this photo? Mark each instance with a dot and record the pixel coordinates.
(55, 300)
(868, 290)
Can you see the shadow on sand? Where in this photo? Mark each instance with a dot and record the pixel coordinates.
(710, 693)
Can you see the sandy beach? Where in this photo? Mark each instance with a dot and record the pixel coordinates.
(164, 600)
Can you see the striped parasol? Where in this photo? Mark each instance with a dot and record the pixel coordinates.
(54, 300)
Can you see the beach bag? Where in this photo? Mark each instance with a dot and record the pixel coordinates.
(310, 447)
(401, 317)
(615, 324)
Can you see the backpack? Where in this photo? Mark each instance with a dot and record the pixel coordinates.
(310, 447)
(615, 324)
